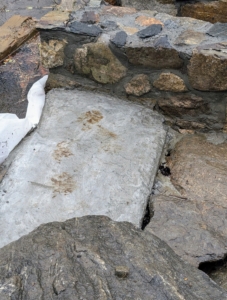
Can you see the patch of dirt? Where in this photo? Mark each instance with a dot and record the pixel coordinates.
(63, 183)
(62, 150)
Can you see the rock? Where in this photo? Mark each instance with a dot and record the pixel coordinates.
(207, 70)
(218, 30)
(98, 62)
(90, 17)
(54, 19)
(180, 105)
(147, 21)
(18, 73)
(138, 85)
(170, 82)
(76, 259)
(149, 31)
(213, 11)
(52, 53)
(14, 32)
(84, 29)
(190, 37)
(168, 7)
(121, 271)
(120, 39)
(92, 154)
(194, 223)
(118, 11)
(160, 58)
(61, 81)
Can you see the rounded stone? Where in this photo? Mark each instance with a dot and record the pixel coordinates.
(138, 85)
(170, 82)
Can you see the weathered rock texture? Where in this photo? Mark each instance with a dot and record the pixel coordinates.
(18, 73)
(15, 32)
(212, 11)
(96, 258)
(92, 154)
(194, 223)
(184, 59)
(98, 62)
(170, 82)
(138, 85)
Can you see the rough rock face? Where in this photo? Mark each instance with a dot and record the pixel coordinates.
(153, 57)
(194, 223)
(180, 105)
(208, 69)
(96, 258)
(15, 32)
(138, 85)
(212, 11)
(170, 82)
(97, 61)
(162, 6)
(92, 154)
(52, 53)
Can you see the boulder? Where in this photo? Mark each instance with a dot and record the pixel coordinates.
(193, 222)
(92, 154)
(94, 258)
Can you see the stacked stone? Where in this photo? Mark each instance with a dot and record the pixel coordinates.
(178, 62)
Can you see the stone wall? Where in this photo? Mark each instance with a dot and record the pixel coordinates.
(180, 64)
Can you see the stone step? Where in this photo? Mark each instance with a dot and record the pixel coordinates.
(92, 154)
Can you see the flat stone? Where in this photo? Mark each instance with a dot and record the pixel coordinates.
(118, 11)
(218, 30)
(160, 58)
(170, 82)
(212, 11)
(120, 39)
(152, 5)
(207, 69)
(92, 154)
(90, 17)
(138, 85)
(190, 37)
(14, 32)
(194, 224)
(84, 29)
(180, 105)
(53, 19)
(146, 21)
(162, 42)
(98, 62)
(52, 53)
(129, 30)
(77, 259)
(150, 31)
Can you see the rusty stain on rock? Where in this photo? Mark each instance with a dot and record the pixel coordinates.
(62, 150)
(90, 117)
(63, 183)
(106, 132)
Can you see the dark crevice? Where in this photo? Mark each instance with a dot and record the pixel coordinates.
(146, 218)
(211, 267)
(164, 170)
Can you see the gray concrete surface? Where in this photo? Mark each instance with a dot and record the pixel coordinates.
(92, 154)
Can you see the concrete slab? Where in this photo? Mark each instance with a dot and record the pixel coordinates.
(92, 154)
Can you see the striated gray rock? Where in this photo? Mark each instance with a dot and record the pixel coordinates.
(92, 154)
(95, 258)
